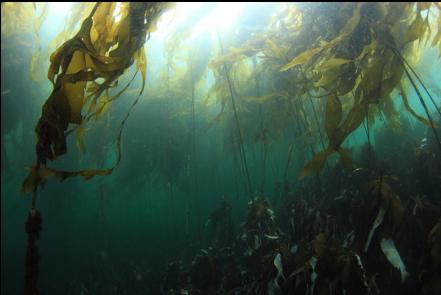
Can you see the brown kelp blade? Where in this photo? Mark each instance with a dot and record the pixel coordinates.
(316, 164)
(104, 48)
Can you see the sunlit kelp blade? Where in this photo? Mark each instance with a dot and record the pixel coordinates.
(85, 58)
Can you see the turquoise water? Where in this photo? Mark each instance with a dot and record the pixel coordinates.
(121, 234)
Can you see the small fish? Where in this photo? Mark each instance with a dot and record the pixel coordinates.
(392, 255)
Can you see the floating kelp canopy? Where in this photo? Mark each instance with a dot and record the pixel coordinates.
(357, 59)
(347, 68)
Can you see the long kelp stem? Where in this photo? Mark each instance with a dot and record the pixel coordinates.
(288, 161)
(316, 118)
(404, 62)
(33, 229)
(262, 129)
(173, 210)
(233, 103)
(193, 148)
(367, 130)
(318, 127)
(317, 122)
(315, 113)
(421, 99)
(313, 153)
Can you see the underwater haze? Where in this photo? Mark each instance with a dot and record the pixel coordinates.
(220, 148)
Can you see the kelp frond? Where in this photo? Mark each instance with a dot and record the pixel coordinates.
(102, 50)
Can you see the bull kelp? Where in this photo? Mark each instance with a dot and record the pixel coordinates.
(268, 148)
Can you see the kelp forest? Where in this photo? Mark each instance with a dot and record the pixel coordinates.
(220, 148)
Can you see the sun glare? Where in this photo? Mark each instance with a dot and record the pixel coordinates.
(60, 7)
(220, 18)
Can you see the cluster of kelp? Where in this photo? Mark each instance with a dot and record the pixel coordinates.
(366, 235)
(348, 66)
(25, 19)
(365, 239)
(83, 70)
